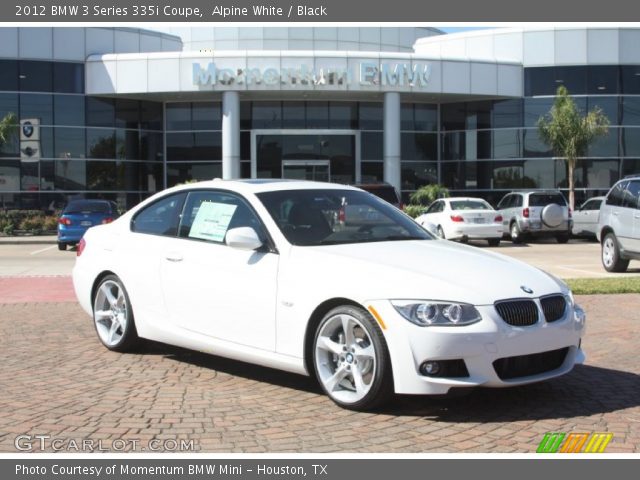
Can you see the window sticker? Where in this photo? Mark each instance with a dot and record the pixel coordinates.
(212, 221)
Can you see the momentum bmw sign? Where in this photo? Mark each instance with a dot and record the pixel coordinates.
(364, 74)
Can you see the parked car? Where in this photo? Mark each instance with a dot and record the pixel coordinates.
(619, 225)
(540, 213)
(384, 191)
(252, 270)
(462, 218)
(585, 218)
(80, 215)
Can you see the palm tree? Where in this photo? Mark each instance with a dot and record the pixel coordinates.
(569, 133)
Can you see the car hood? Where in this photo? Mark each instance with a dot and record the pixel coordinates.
(430, 269)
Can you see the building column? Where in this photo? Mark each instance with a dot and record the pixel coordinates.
(392, 168)
(230, 135)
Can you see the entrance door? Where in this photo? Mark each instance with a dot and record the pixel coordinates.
(316, 170)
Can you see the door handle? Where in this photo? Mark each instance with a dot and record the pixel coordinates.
(637, 215)
(616, 213)
(174, 257)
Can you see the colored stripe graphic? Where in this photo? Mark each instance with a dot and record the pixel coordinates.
(550, 443)
(598, 442)
(574, 442)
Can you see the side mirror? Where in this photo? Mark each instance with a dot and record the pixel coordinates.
(244, 238)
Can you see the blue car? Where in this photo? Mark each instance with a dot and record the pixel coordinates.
(80, 215)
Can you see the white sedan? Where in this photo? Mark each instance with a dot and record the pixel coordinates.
(260, 271)
(463, 219)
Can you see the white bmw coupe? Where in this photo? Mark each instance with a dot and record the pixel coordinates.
(323, 280)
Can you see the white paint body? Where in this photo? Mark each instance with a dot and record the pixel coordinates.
(256, 306)
(475, 224)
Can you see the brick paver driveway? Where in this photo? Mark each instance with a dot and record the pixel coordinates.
(56, 379)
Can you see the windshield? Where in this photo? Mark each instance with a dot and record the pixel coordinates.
(88, 206)
(332, 217)
(470, 205)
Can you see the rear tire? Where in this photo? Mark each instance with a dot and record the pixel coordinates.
(494, 242)
(564, 238)
(113, 316)
(351, 359)
(440, 233)
(516, 234)
(62, 246)
(611, 260)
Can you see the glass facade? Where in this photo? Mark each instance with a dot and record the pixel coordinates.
(115, 148)
(491, 147)
(98, 147)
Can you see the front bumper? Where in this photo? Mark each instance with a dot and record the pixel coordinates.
(478, 345)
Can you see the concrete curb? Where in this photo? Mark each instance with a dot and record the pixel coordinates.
(29, 240)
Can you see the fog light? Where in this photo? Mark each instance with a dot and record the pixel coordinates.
(430, 368)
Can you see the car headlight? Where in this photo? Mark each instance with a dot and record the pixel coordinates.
(425, 313)
(570, 299)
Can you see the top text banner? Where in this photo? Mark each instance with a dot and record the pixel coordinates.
(86, 11)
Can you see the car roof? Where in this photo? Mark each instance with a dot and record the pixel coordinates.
(475, 199)
(261, 185)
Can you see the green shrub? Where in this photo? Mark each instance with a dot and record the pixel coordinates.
(428, 194)
(50, 223)
(414, 210)
(32, 224)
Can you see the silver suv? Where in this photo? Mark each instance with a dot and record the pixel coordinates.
(619, 225)
(538, 213)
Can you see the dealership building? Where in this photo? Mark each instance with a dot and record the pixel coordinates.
(121, 113)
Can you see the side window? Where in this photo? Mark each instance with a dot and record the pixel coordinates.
(434, 207)
(517, 201)
(593, 205)
(208, 215)
(616, 194)
(161, 217)
(504, 203)
(631, 194)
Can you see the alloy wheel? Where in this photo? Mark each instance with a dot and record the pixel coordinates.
(110, 313)
(345, 358)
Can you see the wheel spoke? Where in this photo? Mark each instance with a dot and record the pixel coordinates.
(358, 381)
(120, 300)
(113, 331)
(109, 295)
(332, 382)
(325, 343)
(347, 327)
(366, 353)
(102, 315)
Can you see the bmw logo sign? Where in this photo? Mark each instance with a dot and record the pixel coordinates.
(526, 289)
(27, 129)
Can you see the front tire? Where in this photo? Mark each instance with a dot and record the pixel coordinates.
(611, 260)
(351, 359)
(62, 246)
(113, 316)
